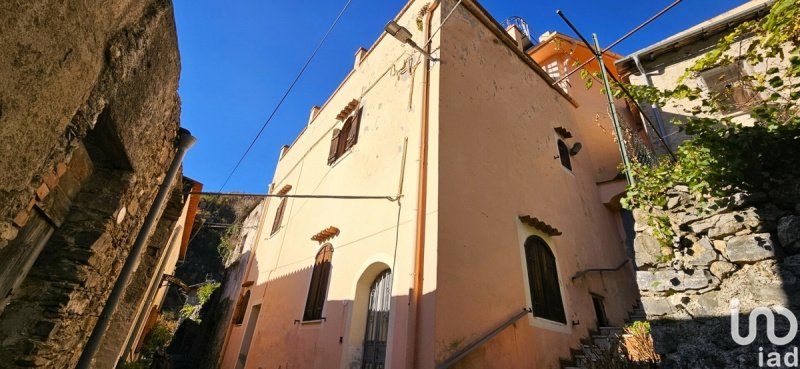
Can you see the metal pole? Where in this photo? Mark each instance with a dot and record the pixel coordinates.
(610, 96)
(185, 141)
(620, 85)
(615, 43)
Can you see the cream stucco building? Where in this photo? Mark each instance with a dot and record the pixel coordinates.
(489, 192)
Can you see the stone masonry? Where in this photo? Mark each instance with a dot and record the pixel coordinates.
(89, 114)
(744, 247)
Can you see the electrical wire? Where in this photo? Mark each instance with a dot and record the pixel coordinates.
(286, 94)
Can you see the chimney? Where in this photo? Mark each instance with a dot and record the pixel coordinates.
(359, 56)
(314, 111)
(523, 42)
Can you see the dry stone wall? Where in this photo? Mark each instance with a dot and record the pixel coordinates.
(699, 257)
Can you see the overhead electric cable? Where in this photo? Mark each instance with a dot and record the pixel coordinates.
(285, 94)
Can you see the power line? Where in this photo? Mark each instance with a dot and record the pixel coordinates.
(264, 195)
(285, 94)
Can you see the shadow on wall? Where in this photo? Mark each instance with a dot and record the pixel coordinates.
(741, 260)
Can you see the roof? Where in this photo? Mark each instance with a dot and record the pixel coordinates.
(753, 9)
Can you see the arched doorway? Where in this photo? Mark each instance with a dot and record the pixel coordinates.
(377, 327)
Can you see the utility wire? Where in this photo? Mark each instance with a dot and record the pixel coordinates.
(285, 94)
(264, 195)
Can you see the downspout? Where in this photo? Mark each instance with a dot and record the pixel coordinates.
(656, 110)
(185, 141)
(419, 258)
(246, 274)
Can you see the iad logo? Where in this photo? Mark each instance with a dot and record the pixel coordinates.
(774, 359)
(753, 320)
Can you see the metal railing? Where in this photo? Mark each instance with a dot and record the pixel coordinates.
(599, 270)
(486, 337)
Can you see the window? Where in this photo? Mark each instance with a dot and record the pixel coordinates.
(343, 139)
(276, 224)
(563, 154)
(318, 288)
(723, 83)
(543, 280)
(241, 307)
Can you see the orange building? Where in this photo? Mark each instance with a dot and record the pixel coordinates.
(486, 231)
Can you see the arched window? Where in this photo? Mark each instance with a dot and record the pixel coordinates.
(318, 288)
(241, 307)
(543, 280)
(563, 154)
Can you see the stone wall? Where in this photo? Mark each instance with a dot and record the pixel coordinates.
(744, 247)
(88, 118)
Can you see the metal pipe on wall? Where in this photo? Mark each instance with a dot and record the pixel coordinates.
(185, 141)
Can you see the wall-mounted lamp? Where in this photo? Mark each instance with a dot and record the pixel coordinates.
(575, 149)
(403, 35)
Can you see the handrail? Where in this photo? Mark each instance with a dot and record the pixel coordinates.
(472, 346)
(587, 271)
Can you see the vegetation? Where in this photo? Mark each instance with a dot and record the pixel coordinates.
(156, 340)
(725, 156)
(204, 293)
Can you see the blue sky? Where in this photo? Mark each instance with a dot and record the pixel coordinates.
(238, 58)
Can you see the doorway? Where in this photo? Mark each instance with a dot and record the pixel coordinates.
(377, 328)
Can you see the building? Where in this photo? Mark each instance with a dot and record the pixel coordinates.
(662, 64)
(454, 194)
(91, 196)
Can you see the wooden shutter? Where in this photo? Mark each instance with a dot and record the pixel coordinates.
(241, 308)
(318, 287)
(334, 150)
(563, 154)
(543, 280)
(352, 133)
(276, 224)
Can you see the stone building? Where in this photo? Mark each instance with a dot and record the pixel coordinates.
(89, 125)
(479, 195)
(662, 65)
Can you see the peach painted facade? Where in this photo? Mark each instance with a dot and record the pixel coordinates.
(470, 143)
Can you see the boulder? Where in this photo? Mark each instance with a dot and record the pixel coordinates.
(700, 254)
(789, 232)
(647, 250)
(722, 269)
(750, 248)
(665, 280)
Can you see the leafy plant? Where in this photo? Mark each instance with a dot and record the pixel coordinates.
(725, 156)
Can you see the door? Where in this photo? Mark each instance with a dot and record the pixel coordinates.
(377, 331)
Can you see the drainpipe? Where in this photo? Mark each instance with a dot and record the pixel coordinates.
(653, 106)
(185, 141)
(419, 258)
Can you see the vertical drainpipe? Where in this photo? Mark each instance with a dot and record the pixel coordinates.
(419, 259)
(656, 110)
(185, 141)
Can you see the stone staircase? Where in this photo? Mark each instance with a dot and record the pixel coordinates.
(599, 340)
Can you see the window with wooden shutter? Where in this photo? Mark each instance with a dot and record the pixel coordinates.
(276, 224)
(241, 308)
(334, 150)
(545, 291)
(318, 287)
(724, 83)
(563, 154)
(344, 137)
(352, 132)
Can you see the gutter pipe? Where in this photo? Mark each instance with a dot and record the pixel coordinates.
(185, 141)
(655, 108)
(422, 198)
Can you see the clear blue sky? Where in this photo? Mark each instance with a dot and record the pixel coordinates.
(238, 57)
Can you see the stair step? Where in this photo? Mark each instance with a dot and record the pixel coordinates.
(608, 331)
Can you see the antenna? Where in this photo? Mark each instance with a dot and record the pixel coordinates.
(520, 23)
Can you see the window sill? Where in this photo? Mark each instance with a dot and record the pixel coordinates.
(310, 322)
(550, 325)
(339, 159)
